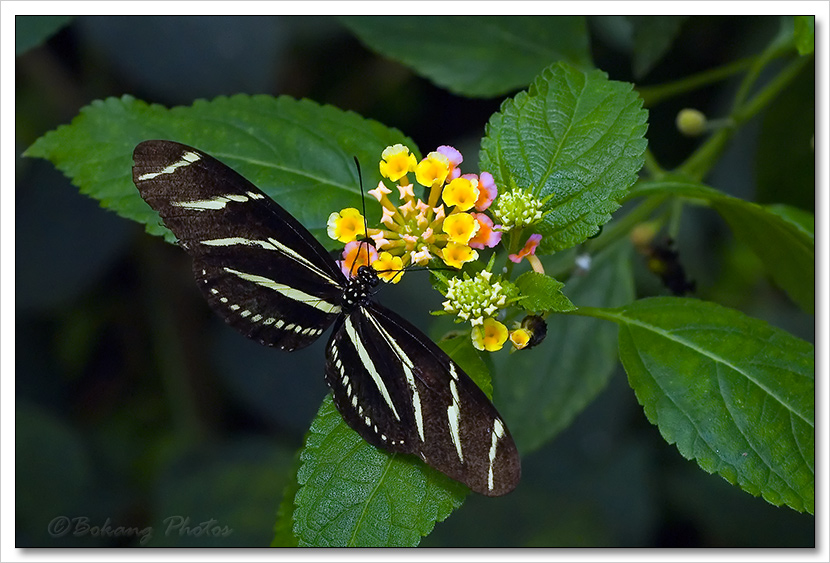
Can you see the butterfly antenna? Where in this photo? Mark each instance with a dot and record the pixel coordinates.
(363, 209)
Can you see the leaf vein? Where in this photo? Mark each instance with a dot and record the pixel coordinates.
(714, 357)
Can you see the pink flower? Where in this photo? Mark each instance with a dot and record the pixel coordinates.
(455, 159)
(487, 191)
(529, 248)
(486, 236)
(355, 255)
(529, 252)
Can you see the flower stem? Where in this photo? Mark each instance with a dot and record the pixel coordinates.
(652, 95)
(704, 158)
(770, 91)
(618, 229)
(652, 166)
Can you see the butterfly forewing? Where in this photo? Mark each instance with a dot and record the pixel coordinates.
(402, 393)
(258, 267)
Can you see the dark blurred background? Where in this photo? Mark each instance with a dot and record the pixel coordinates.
(135, 405)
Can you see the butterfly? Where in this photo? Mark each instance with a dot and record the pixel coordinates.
(271, 280)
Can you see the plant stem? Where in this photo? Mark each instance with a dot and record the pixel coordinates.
(675, 217)
(621, 228)
(594, 312)
(775, 49)
(652, 95)
(511, 249)
(770, 91)
(705, 157)
(652, 166)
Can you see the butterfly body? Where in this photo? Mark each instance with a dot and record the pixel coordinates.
(271, 280)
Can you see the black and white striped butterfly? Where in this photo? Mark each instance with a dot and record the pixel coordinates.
(270, 279)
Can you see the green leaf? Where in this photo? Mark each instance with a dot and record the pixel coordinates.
(540, 391)
(31, 31)
(284, 525)
(786, 250)
(477, 56)
(787, 133)
(805, 34)
(542, 294)
(296, 151)
(614, 31)
(798, 218)
(782, 240)
(653, 37)
(353, 494)
(732, 392)
(574, 136)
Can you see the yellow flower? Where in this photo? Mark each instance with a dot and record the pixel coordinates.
(462, 193)
(455, 255)
(460, 227)
(389, 268)
(519, 337)
(432, 170)
(346, 226)
(490, 335)
(531, 332)
(397, 161)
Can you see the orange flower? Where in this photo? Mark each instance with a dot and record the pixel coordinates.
(355, 255)
(529, 252)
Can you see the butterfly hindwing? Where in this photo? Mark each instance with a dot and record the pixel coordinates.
(402, 393)
(257, 266)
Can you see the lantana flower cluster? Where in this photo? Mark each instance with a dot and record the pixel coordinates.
(476, 300)
(449, 223)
